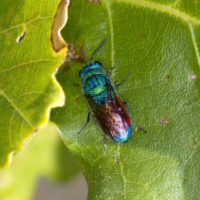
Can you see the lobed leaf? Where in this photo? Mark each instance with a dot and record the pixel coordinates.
(28, 89)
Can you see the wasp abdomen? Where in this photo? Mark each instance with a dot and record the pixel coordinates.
(108, 109)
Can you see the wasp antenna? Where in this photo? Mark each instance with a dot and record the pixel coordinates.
(98, 48)
(139, 128)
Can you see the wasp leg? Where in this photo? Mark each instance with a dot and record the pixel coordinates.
(118, 84)
(114, 66)
(94, 120)
(88, 120)
(127, 106)
(105, 145)
(138, 127)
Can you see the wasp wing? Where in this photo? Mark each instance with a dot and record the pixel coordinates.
(111, 114)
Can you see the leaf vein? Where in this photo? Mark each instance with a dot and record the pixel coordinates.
(111, 31)
(2, 93)
(194, 43)
(122, 172)
(25, 23)
(165, 9)
(26, 63)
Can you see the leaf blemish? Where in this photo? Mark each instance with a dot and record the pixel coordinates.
(167, 76)
(59, 22)
(76, 98)
(193, 76)
(7, 34)
(72, 54)
(20, 37)
(36, 130)
(164, 120)
(66, 68)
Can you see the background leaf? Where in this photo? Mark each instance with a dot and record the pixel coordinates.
(28, 88)
(46, 155)
(158, 41)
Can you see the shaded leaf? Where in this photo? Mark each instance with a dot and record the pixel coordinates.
(46, 155)
(158, 41)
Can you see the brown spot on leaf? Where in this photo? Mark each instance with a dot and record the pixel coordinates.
(167, 76)
(76, 99)
(66, 68)
(36, 130)
(73, 54)
(193, 76)
(164, 120)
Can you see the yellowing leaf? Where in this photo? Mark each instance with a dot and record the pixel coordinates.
(46, 155)
(28, 89)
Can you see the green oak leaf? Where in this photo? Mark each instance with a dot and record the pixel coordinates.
(158, 41)
(28, 89)
(46, 155)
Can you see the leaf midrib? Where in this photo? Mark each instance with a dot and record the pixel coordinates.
(194, 43)
(165, 9)
(112, 62)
